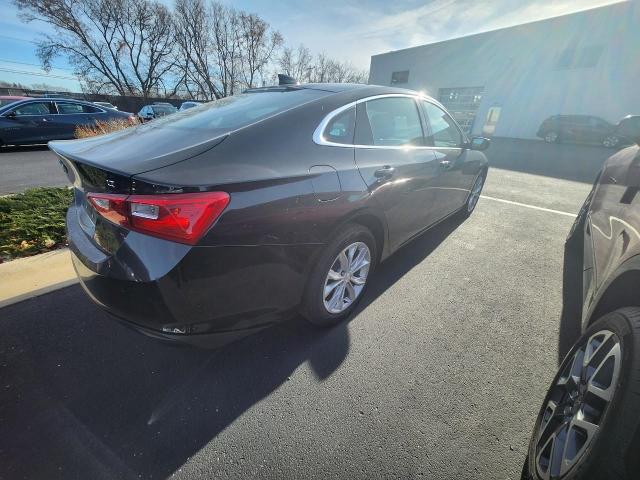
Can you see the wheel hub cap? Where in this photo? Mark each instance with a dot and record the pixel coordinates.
(347, 277)
(576, 404)
(475, 193)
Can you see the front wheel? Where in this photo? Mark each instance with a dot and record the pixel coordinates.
(474, 195)
(340, 276)
(589, 420)
(551, 137)
(610, 141)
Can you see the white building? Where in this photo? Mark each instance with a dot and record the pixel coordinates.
(585, 63)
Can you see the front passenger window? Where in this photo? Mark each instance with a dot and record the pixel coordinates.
(39, 108)
(444, 132)
(391, 121)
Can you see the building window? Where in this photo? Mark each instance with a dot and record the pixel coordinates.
(462, 103)
(584, 57)
(400, 77)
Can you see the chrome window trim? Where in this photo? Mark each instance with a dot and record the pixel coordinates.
(319, 139)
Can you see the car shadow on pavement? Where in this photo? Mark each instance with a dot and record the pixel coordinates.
(85, 397)
(23, 148)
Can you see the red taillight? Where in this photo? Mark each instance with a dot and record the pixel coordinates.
(181, 217)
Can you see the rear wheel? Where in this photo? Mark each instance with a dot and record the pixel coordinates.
(340, 276)
(551, 137)
(610, 141)
(587, 426)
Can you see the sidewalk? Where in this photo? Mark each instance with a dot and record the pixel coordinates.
(32, 276)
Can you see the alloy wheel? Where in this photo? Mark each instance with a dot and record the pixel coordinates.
(347, 277)
(576, 404)
(610, 141)
(475, 193)
(551, 137)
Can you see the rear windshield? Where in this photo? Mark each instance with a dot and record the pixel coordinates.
(238, 111)
(163, 109)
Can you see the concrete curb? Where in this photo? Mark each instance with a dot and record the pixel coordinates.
(33, 276)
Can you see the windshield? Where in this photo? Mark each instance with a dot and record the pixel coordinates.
(163, 109)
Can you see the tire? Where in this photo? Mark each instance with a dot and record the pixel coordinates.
(610, 141)
(315, 306)
(474, 195)
(610, 450)
(552, 137)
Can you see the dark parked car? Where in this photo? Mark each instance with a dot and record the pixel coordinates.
(188, 105)
(233, 215)
(149, 112)
(589, 423)
(579, 129)
(38, 120)
(589, 129)
(106, 105)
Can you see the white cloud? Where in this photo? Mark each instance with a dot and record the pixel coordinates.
(352, 32)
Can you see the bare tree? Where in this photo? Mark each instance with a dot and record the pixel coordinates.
(300, 65)
(258, 46)
(123, 46)
(194, 37)
(297, 63)
(226, 34)
(224, 50)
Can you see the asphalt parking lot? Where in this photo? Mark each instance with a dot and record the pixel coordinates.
(439, 375)
(28, 167)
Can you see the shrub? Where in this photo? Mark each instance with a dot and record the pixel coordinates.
(33, 222)
(100, 128)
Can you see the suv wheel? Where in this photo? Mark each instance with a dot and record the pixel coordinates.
(610, 141)
(587, 425)
(340, 277)
(551, 137)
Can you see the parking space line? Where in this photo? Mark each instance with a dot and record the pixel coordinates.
(526, 205)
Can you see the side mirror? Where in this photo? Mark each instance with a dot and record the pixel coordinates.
(479, 143)
(11, 114)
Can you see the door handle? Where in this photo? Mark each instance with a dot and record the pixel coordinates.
(384, 172)
(445, 163)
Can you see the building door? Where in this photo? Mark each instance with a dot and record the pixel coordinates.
(462, 103)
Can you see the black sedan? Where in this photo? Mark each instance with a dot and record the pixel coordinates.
(38, 120)
(589, 423)
(215, 222)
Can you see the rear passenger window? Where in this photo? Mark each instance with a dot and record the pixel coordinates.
(66, 108)
(341, 127)
(392, 121)
(444, 132)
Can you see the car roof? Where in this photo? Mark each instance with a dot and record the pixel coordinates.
(354, 88)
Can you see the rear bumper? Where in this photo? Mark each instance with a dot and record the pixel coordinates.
(197, 295)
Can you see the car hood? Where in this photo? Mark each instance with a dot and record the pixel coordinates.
(138, 149)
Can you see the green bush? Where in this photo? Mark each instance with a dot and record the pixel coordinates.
(33, 222)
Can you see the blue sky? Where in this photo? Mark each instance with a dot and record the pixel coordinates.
(350, 30)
